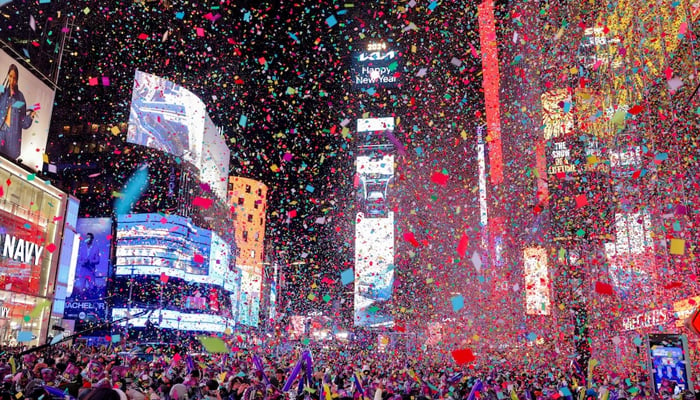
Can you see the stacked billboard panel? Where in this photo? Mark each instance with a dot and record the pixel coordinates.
(156, 248)
(167, 117)
(537, 283)
(374, 224)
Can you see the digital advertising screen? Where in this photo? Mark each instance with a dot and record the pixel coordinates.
(91, 272)
(21, 254)
(537, 284)
(177, 320)
(669, 361)
(249, 300)
(216, 156)
(166, 117)
(378, 65)
(153, 244)
(374, 270)
(26, 105)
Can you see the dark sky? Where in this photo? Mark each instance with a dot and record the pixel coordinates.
(283, 67)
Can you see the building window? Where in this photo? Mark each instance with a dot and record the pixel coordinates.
(241, 200)
(256, 205)
(261, 221)
(250, 217)
(247, 188)
(260, 192)
(245, 236)
(252, 254)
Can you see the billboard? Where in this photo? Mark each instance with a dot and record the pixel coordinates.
(669, 361)
(537, 283)
(91, 272)
(26, 104)
(171, 319)
(155, 244)
(378, 65)
(374, 270)
(167, 117)
(249, 302)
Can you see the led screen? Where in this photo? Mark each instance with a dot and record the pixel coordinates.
(167, 117)
(170, 319)
(379, 65)
(669, 361)
(249, 303)
(91, 272)
(537, 298)
(26, 104)
(374, 270)
(153, 244)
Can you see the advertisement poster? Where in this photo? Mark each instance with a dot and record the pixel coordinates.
(21, 254)
(669, 362)
(26, 104)
(92, 270)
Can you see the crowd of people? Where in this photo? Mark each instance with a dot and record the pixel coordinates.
(326, 373)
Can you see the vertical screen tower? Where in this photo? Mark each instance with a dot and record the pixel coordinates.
(374, 223)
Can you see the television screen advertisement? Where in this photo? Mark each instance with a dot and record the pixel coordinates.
(26, 104)
(86, 303)
(669, 362)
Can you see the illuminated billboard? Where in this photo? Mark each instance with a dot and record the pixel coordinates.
(630, 255)
(26, 104)
(374, 270)
(92, 271)
(537, 283)
(177, 320)
(155, 244)
(378, 65)
(167, 117)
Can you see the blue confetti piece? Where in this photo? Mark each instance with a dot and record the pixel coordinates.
(457, 303)
(24, 336)
(243, 121)
(116, 338)
(342, 12)
(133, 189)
(432, 5)
(331, 21)
(44, 1)
(531, 336)
(310, 188)
(347, 276)
(419, 151)
(180, 15)
(18, 104)
(247, 16)
(662, 156)
(294, 37)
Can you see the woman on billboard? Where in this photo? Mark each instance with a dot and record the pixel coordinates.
(13, 115)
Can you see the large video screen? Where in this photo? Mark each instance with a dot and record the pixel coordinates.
(214, 167)
(249, 300)
(167, 117)
(153, 244)
(92, 270)
(669, 361)
(374, 270)
(171, 319)
(378, 65)
(537, 297)
(26, 104)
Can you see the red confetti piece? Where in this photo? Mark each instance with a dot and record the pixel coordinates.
(292, 213)
(142, 36)
(581, 201)
(463, 356)
(439, 178)
(636, 110)
(198, 258)
(202, 202)
(163, 277)
(603, 288)
(673, 285)
(462, 246)
(51, 247)
(411, 238)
